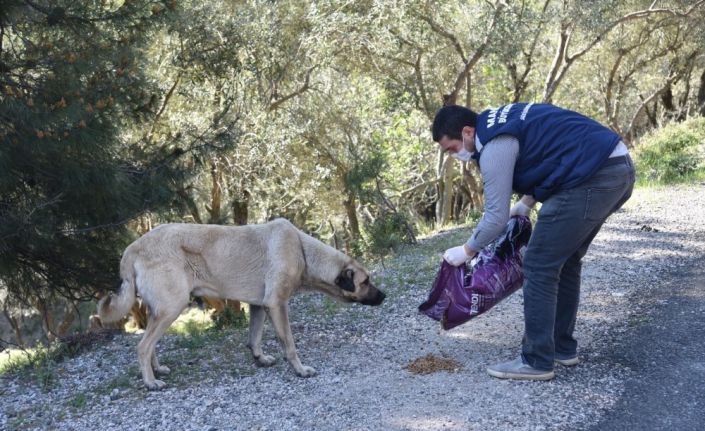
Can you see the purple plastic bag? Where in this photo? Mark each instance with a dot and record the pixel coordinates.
(461, 293)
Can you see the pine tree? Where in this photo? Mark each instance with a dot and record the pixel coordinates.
(72, 169)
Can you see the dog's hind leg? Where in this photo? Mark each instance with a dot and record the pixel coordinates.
(279, 315)
(146, 355)
(170, 298)
(257, 316)
(146, 350)
(158, 369)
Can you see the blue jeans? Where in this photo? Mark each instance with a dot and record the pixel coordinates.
(567, 223)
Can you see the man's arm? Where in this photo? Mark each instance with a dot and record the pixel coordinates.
(497, 168)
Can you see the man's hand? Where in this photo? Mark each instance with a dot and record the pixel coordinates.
(456, 256)
(519, 209)
(523, 206)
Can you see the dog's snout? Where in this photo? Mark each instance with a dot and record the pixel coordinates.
(375, 299)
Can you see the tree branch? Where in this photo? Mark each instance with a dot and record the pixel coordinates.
(163, 107)
(450, 99)
(645, 102)
(441, 31)
(418, 75)
(563, 60)
(274, 105)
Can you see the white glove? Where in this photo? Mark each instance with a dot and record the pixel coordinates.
(456, 256)
(520, 209)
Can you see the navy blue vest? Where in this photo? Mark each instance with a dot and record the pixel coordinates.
(558, 148)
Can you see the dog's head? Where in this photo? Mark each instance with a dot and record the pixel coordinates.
(355, 286)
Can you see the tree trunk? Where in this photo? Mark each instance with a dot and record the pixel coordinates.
(336, 245)
(240, 208)
(445, 190)
(67, 320)
(216, 192)
(667, 102)
(468, 90)
(191, 204)
(474, 187)
(47, 315)
(350, 210)
(701, 95)
(460, 202)
(15, 326)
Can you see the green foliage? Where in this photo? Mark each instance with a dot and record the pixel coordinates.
(71, 175)
(385, 235)
(330, 306)
(361, 177)
(673, 154)
(24, 360)
(196, 328)
(195, 335)
(230, 319)
(78, 401)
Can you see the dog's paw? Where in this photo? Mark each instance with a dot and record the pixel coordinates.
(306, 371)
(266, 360)
(155, 385)
(162, 369)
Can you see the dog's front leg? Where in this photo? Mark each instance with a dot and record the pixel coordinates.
(279, 315)
(257, 316)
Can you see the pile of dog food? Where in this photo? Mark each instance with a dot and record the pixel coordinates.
(432, 364)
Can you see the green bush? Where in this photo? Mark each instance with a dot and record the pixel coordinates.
(384, 236)
(672, 154)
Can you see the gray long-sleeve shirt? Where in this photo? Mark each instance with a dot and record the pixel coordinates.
(497, 169)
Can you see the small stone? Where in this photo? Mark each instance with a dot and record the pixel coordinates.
(114, 394)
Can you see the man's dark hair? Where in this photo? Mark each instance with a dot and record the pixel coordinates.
(450, 120)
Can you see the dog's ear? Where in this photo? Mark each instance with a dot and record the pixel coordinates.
(345, 280)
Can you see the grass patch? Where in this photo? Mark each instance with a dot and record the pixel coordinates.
(229, 318)
(120, 382)
(40, 364)
(20, 420)
(207, 355)
(197, 328)
(17, 360)
(78, 401)
(196, 320)
(191, 322)
(330, 306)
(10, 360)
(674, 154)
(638, 320)
(37, 365)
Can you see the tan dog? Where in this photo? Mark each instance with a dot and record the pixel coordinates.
(262, 265)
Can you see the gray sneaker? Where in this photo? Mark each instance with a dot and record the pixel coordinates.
(517, 369)
(566, 361)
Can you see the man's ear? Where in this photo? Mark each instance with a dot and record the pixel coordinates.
(469, 133)
(345, 280)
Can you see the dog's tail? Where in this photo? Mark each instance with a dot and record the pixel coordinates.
(116, 305)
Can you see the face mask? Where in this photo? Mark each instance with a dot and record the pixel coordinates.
(463, 155)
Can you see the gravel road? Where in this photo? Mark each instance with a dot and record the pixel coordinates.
(361, 352)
